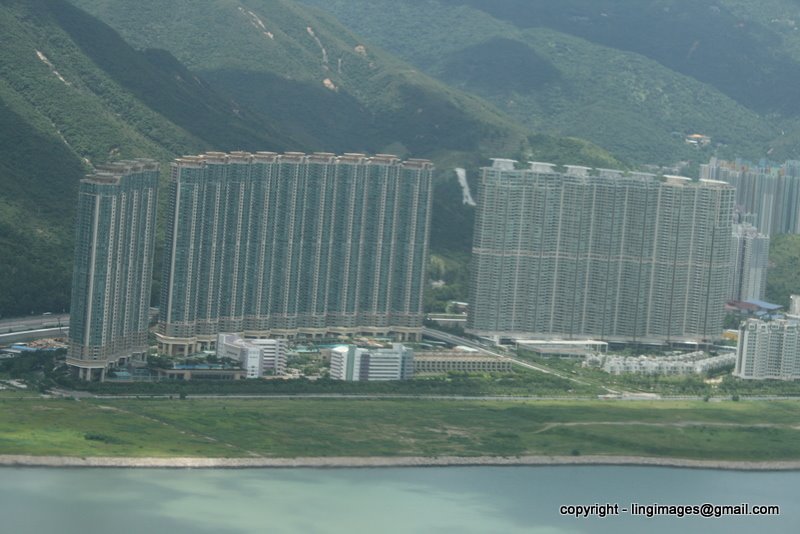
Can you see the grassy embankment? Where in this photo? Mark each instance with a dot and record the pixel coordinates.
(326, 427)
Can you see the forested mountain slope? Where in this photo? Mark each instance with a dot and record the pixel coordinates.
(258, 75)
(306, 71)
(632, 76)
(74, 94)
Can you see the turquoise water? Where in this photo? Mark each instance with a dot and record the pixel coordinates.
(447, 500)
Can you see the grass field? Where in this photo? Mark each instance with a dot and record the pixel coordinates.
(332, 427)
(18, 393)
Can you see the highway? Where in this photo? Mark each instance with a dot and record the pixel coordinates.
(33, 322)
(457, 340)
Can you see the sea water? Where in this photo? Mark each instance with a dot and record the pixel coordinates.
(385, 500)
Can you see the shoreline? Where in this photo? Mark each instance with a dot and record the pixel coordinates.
(400, 461)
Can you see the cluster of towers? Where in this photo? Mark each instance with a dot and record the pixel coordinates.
(297, 245)
(294, 244)
(599, 253)
(263, 244)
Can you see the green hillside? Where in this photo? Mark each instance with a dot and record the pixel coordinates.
(734, 50)
(783, 275)
(308, 72)
(780, 18)
(457, 81)
(58, 113)
(72, 94)
(581, 68)
(322, 82)
(250, 76)
(336, 92)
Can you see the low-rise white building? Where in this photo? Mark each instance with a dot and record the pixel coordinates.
(768, 349)
(349, 362)
(257, 356)
(678, 364)
(442, 361)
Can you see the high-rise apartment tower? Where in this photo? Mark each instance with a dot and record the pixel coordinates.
(294, 244)
(768, 350)
(599, 254)
(770, 195)
(750, 262)
(114, 246)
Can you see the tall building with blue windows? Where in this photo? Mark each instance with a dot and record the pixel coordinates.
(114, 248)
(294, 245)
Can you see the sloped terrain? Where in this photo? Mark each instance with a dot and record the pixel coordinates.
(72, 94)
(633, 77)
(306, 70)
(256, 75)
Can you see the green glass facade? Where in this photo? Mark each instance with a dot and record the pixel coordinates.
(114, 247)
(290, 244)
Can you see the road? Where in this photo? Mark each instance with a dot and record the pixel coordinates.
(58, 392)
(457, 340)
(33, 322)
